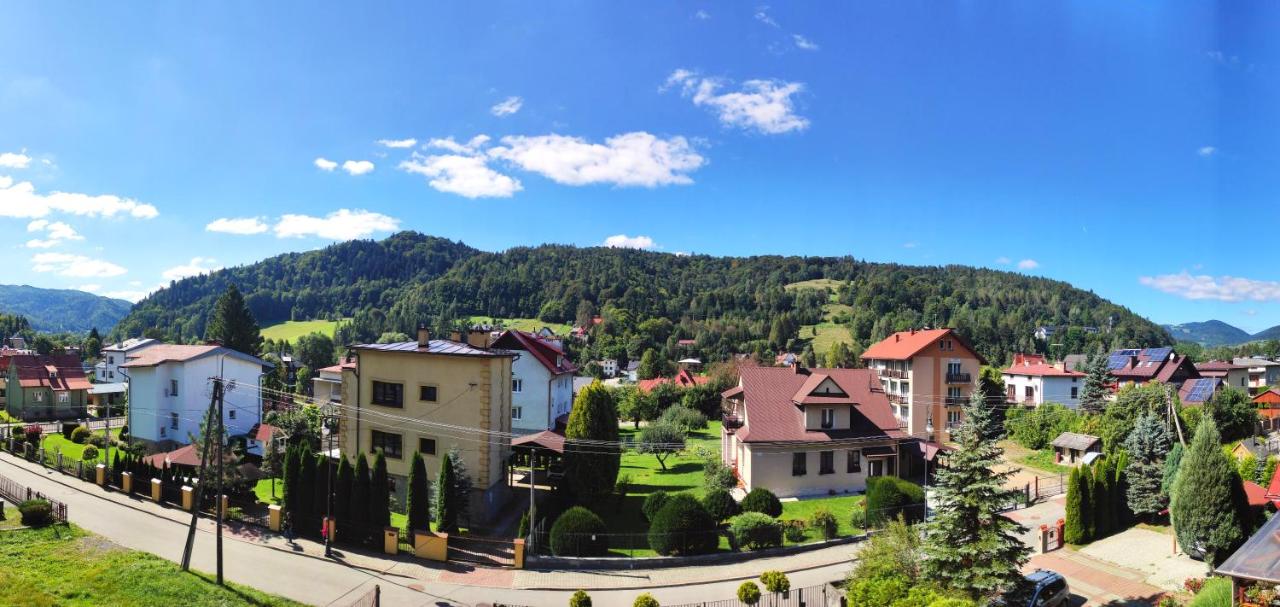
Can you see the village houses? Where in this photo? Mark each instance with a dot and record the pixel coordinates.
(45, 387)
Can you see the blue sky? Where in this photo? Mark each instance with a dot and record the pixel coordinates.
(1127, 148)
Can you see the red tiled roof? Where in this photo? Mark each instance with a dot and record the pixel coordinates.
(339, 367)
(263, 432)
(1273, 490)
(686, 342)
(182, 456)
(773, 416)
(683, 378)
(1256, 494)
(1271, 396)
(1218, 366)
(551, 357)
(66, 370)
(906, 344)
(1034, 364)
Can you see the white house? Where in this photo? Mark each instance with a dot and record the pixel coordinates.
(108, 369)
(326, 386)
(1031, 381)
(169, 393)
(609, 367)
(541, 381)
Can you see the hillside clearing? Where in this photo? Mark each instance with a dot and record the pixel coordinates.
(291, 330)
(529, 325)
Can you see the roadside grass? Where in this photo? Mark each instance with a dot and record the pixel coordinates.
(1042, 460)
(291, 330)
(55, 442)
(522, 324)
(65, 565)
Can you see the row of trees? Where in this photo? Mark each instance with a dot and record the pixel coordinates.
(1097, 501)
(357, 496)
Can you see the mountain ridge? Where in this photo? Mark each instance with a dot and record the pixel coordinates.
(58, 310)
(1212, 333)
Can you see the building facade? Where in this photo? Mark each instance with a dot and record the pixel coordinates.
(108, 369)
(928, 376)
(1030, 381)
(46, 387)
(541, 381)
(430, 396)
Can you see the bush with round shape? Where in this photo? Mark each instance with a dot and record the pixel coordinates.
(653, 503)
(749, 593)
(90, 453)
(775, 581)
(36, 513)
(825, 522)
(579, 532)
(580, 599)
(763, 501)
(79, 435)
(888, 496)
(683, 527)
(32, 434)
(794, 531)
(646, 600)
(685, 417)
(720, 504)
(755, 530)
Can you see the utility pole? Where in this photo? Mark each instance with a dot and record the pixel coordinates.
(1174, 414)
(218, 506)
(200, 482)
(328, 482)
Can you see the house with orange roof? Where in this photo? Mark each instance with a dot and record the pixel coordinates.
(46, 387)
(1268, 404)
(1031, 381)
(682, 379)
(928, 376)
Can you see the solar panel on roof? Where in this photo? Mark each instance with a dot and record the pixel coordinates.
(1157, 354)
(1117, 361)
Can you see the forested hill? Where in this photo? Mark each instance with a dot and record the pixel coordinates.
(58, 310)
(648, 300)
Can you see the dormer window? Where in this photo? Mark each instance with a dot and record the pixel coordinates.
(828, 418)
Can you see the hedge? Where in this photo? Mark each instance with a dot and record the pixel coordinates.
(579, 532)
(683, 527)
(720, 504)
(653, 503)
(36, 513)
(887, 496)
(755, 530)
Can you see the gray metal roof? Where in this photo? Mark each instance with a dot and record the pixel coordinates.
(1072, 440)
(436, 346)
(1259, 557)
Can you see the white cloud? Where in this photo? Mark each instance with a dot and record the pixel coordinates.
(622, 241)
(630, 159)
(1207, 151)
(804, 43)
(1004, 261)
(89, 288)
(910, 244)
(324, 164)
(398, 143)
(56, 233)
(762, 105)
(357, 167)
(11, 160)
(763, 17)
(1028, 264)
(473, 146)
(507, 106)
(196, 267)
(702, 15)
(76, 266)
(130, 296)
(464, 174)
(1220, 288)
(237, 225)
(20, 199)
(1250, 312)
(343, 224)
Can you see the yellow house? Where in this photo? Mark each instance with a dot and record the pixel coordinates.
(430, 396)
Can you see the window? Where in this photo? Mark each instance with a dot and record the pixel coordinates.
(826, 462)
(953, 368)
(173, 421)
(64, 398)
(232, 414)
(517, 384)
(388, 394)
(946, 345)
(875, 467)
(1075, 392)
(111, 360)
(388, 442)
(828, 418)
(173, 387)
(854, 464)
(1030, 392)
(799, 464)
(517, 412)
(427, 394)
(427, 446)
(38, 396)
(953, 418)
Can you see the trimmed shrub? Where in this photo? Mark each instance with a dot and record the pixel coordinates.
(79, 435)
(646, 600)
(888, 496)
(684, 417)
(579, 532)
(90, 453)
(653, 503)
(794, 531)
(763, 501)
(36, 513)
(775, 581)
(32, 434)
(720, 504)
(756, 530)
(749, 593)
(97, 440)
(717, 475)
(825, 522)
(580, 599)
(683, 527)
(1216, 592)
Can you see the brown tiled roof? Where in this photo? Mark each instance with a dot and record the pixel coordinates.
(182, 456)
(683, 378)
(177, 353)
(1040, 369)
(551, 357)
(773, 416)
(66, 369)
(547, 439)
(905, 344)
(339, 367)
(1075, 440)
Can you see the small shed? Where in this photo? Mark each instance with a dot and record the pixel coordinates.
(1256, 563)
(1070, 447)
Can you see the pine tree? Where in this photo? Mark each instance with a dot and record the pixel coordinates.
(461, 487)
(1103, 506)
(342, 499)
(380, 494)
(1148, 446)
(1208, 498)
(1088, 509)
(419, 509)
(1094, 396)
(233, 325)
(1120, 491)
(446, 514)
(1076, 522)
(972, 547)
(591, 472)
(360, 492)
(309, 509)
(1171, 464)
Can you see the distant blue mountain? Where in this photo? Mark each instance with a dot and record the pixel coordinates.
(1217, 333)
(55, 310)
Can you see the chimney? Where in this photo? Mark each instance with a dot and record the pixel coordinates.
(478, 337)
(897, 337)
(424, 336)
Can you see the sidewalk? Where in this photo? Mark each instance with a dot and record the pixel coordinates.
(301, 572)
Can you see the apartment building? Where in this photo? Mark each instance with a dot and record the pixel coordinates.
(928, 376)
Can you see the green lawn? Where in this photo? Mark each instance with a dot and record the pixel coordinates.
(1042, 460)
(817, 283)
(64, 565)
(55, 442)
(828, 334)
(841, 505)
(293, 329)
(263, 490)
(522, 324)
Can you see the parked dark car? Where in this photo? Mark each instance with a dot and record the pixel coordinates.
(1043, 588)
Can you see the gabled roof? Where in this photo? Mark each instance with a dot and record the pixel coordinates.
(338, 368)
(1074, 440)
(1198, 391)
(551, 356)
(547, 439)
(683, 378)
(57, 372)
(773, 416)
(173, 353)
(1259, 557)
(906, 344)
(1035, 365)
(1271, 396)
(182, 456)
(131, 344)
(442, 347)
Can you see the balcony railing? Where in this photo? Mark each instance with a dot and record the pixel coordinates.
(956, 401)
(898, 399)
(894, 373)
(732, 422)
(902, 422)
(959, 378)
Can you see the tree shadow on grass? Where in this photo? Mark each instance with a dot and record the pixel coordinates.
(209, 580)
(645, 489)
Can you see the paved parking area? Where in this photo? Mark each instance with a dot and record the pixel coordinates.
(1093, 582)
(1149, 552)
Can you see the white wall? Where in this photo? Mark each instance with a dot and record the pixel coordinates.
(534, 396)
(1048, 389)
(151, 406)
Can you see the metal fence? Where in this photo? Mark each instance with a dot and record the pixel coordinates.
(826, 595)
(18, 493)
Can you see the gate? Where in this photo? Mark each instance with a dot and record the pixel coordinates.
(494, 552)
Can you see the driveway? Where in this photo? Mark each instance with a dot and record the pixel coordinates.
(1149, 552)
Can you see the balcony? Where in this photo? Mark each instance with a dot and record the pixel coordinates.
(893, 373)
(902, 422)
(956, 401)
(732, 422)
(959, 378)
(898, 399)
